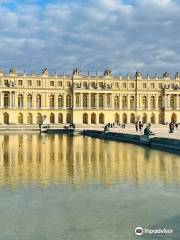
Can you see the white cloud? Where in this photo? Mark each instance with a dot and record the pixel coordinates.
(92, 35)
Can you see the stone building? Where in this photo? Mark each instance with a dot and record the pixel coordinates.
(27, 98)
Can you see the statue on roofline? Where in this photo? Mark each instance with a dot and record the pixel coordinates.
(108, 72)
(76, 72)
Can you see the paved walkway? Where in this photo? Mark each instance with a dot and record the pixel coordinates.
(159, 130)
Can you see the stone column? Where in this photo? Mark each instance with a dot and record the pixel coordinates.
(81, 100)
(56, 101)
(120, 101)
(128, 102)
(2, 102)
(112, 101)
(64, 100)
(177, 102)
(89, 100)
(16, 100)
(25, 100)
(97, 100)
(156, 102)
(105, 101)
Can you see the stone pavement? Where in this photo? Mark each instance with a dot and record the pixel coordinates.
(159, 130)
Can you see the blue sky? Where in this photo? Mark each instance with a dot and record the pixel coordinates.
(123, 35)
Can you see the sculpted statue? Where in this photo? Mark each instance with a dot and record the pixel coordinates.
(165, 75)
(76, 72)
(177, 75)
(108, 72)
(138, 74)
(45, 71)
(12, 71)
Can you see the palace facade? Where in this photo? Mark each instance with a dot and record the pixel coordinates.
(27, 98)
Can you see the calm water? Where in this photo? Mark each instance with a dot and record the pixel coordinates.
(78, 188)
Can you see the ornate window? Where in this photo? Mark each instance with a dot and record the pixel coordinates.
(51, 101)
(20, 100)
(132, 103)
(29, 101)
(85, 101)
(68, 101)
(124, 102)
(144, 102)
(116, 102)
(60, 101)
(93, 101)
(101, 101)
(38, 101)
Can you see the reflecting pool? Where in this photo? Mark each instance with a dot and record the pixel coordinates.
(80, 188)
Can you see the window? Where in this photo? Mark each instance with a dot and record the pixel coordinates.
(6, 83)
(29, 83)
(160, 85)
(38, 83)
(68, 83)
(20, 82)
(144, 85)
(51, 83)
(116, 85)
(152, 85)
(60, 83)
(124, 85)
(101, 84)
(131, 85)
(85, 84)
(93, 84)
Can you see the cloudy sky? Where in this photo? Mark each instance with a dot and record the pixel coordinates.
(124, 35)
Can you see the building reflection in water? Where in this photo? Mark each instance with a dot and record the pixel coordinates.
(32, 158)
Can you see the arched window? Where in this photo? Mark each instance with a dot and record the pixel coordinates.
(52, 118)
(51, 101)
(68, 118)
(174, 118)
(60, 118)
(85, 118)
(85, 101)
(116, 102)
(124, 118)
(173, 102)
(20, 100)
(29, 101)
(20, 118)
(6, 100)
(117, 121)
(77, 100)
(108, 100)
(132, 118)
(6, 118)
(153, 118)
(93, 118)
(93, 101)
(124, 102)
(101, 101)
(68, 101)
(60, 101)
(101, 118)
(144, 102)
(132, 102)
(161, 118)
(144, 118)
(38, 101)
(29, 118)
(39, 118)
(160, 102)
(152, 102)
